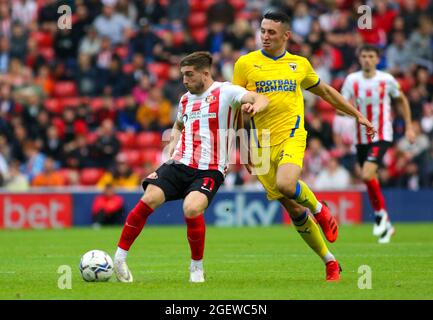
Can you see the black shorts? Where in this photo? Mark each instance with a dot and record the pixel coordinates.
(177, 180)
(372, 152)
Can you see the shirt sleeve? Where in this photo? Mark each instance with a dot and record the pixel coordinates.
(394, 87)
(239, 74)
(346, 89)
(179, 111)
(311, 78)
(236, 94)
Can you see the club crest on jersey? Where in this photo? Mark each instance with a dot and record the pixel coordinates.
(293, 66)
(210, 98)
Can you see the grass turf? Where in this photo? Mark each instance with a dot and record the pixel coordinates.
(240, 263)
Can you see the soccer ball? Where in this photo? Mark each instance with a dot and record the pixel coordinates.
(96, 265)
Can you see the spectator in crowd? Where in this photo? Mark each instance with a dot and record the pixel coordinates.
(152, 10)
(79, 154)
(397, 57)
(221, 11)
(4, 54)
(49, 177)
(91, 43)
(145, 40)
(333, 176)
(34, 163)
(18, 42)
(107, 208)
(316, 156)
(126, 118)
(16, 181)
(121, 176)
(52, 144)
(156, 112)
(112, 24)
(107, 145)
(86, 76)
(173, 88)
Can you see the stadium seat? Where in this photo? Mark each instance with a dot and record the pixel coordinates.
(90, 176)
(337, 83)
(120, 103)
(323, 106)
(197, 20)
(199, 35)
(132, 157)
(127, 68)
(91, 137)
(43, 39)
(70, 176)
(96, 104)
(196, 5)
(161, 70)
(70, 102)
(65, 89)
(207, 3)
(238, 4)
(47, 53)
(178, 38)
(148, 139)
(126, 139)
(53, 105)
(152, 155)
(122, 52)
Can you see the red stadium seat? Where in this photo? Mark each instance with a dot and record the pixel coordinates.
(53, 105)
(199, 35)
(43, 39)
(148, 139)
(161, 70)
(65, 89)
(70, 176)
(152, 155)
(337, 83)
(47, 53)
(96, 104)
(132, 157)
(91, 137)
(197, 20)
(178, 38)
(196, 5)
(238, 4)
(90, 176)
(207, 4)
(120, 103)
(126, 139)
(128, 68)
(323, 106)
(70, 102)
(122, 52)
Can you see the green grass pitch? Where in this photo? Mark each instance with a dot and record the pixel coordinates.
(240, 263)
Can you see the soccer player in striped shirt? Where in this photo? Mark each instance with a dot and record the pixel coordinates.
(199, 149)
(371, 90)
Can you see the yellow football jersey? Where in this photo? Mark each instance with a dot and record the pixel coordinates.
(280, 79)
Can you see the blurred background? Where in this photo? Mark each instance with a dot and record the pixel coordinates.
(83, 110)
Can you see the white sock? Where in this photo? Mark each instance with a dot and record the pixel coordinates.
(121, 254)
(328, 257)
(198, 263)
(318, 207)
(380, 213)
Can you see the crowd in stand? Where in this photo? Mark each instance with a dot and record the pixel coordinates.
(88, 105)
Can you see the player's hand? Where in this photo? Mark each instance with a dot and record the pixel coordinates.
(249, 108)
(370, 129)
(410, 134)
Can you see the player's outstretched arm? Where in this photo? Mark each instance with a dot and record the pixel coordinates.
(410, 134)
(332, 96)
(253, 103)
(174, 137)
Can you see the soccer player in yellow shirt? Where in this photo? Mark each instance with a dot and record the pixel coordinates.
(279, 138)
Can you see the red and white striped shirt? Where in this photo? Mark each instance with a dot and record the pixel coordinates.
(372, 97)
(209, 122)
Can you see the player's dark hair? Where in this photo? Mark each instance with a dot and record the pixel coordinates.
(199, 60)
(277, 16)
(369, 48)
